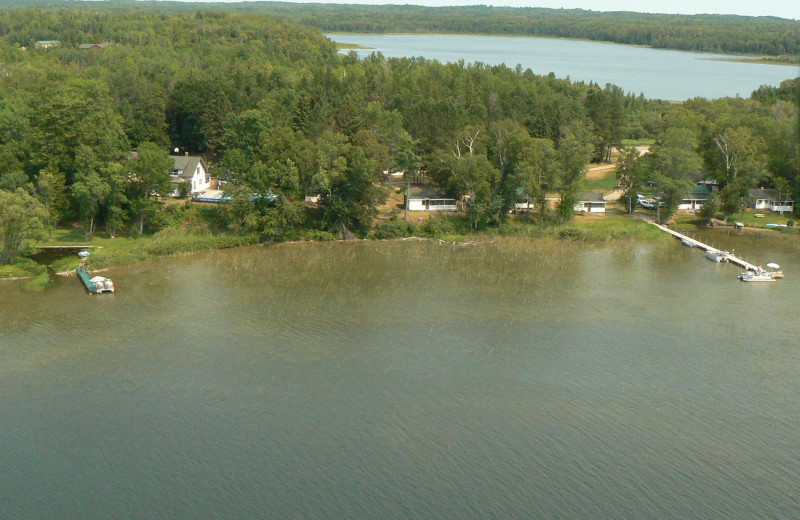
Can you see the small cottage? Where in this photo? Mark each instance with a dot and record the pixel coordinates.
(771, 200)
(429, 199)
(695, 200)
(591, 202)
(192, 170)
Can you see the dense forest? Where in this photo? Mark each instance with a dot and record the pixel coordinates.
(277, 113)
(711, 33)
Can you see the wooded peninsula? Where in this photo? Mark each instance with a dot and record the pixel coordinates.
(732, 34)
(95, 99)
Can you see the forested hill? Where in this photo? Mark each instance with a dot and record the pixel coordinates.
(712, 33)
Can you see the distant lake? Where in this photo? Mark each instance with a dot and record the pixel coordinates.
(663, 74)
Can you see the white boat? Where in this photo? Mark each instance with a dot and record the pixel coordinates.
(717, 255)
(758, 276)
(103, 284)
(687, 243)
(83, 254)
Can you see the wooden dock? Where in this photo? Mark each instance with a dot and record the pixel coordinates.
(696, 243)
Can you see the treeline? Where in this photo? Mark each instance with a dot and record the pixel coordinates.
(280, 115)
(710, 33)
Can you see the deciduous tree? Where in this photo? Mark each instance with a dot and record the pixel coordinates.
(21, 216)
(51, 190)
(629, 174)
(149, 175)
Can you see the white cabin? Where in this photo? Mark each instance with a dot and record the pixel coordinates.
(769, 199)
(430, 199)
(591, 202)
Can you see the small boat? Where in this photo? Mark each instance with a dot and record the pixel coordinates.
(687, 243)
(757, 276)
(775, 270)
(103, 284)
(83, 254)
(717, 255)
(95, 285)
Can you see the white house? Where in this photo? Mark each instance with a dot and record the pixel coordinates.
(191, 169)
(430, 199)
(768, 199)
(591, 202)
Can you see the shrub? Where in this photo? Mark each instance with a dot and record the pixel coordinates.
(12, 271)
(318, 235)
(572, 233)
(394, 229)
(27, 268)
(184, 189)
(437, 227)
(40, 281)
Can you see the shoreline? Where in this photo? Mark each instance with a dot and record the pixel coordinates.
(588, 229)
(131, 251)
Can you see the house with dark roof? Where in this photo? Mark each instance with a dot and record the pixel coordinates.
(189, 169)
(695, 199)
(429, 199)
(591, 202)
(771, 200)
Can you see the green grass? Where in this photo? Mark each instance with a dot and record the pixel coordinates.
(109, 252)
(611, 226)
(36, 274)
(14, 270)
(614, 225)
(638, 142)
(603, 184)
(750, 219)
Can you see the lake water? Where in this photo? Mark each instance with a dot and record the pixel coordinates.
(396, 380)
(661, 74)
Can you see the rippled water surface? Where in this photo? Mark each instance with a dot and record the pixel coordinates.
(656, 73)
(508, 379)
